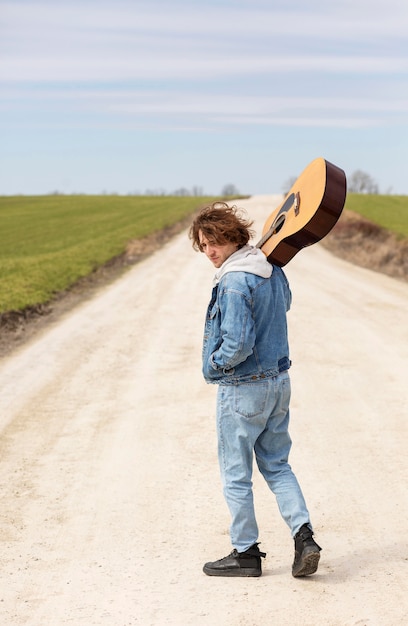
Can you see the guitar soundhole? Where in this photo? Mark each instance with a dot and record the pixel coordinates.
(279, 223)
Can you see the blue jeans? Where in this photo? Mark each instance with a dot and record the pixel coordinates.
(254, 417)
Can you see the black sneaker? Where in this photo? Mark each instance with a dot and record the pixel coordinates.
(307, 553)
(246, 563)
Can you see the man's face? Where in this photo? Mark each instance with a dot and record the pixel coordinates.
(217, 253)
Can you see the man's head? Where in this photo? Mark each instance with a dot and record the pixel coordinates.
(220, 230)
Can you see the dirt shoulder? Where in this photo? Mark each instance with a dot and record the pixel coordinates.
(363, 243)
(353, 239)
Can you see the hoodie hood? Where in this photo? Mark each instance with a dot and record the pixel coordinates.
(246, 259)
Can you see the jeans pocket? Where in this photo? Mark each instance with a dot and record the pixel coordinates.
(250, 400)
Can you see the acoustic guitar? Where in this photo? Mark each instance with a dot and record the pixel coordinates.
(308, 213)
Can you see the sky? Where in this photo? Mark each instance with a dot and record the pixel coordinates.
(132, 96)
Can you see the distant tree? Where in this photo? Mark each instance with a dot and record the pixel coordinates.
(229, 190)
(181, 192)
(361, 182)
(155, 192)
(289, 184)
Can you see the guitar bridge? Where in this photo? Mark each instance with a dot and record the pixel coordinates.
(296, 203)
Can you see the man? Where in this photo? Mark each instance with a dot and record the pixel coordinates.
(245, 352)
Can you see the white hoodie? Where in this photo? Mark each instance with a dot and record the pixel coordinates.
(246, 259)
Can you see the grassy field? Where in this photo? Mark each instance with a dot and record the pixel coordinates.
(390, 212)
(48, 242)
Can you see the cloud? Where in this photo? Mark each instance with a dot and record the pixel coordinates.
(161, 108)
(204, 63)
(172, 65)
(118, 41)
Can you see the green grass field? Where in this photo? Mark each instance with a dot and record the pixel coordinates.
(390, 212)
(48, 242)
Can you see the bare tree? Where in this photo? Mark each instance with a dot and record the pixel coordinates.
(361, 182)
(229, 190)
(182, 191)
(288, 185)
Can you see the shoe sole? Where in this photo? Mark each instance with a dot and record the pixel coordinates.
(233, 573)
(308, 565)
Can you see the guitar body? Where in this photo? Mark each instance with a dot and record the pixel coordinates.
(309, 211)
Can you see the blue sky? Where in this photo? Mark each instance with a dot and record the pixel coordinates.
(128, 96)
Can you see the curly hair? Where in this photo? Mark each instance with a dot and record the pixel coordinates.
(221, 224)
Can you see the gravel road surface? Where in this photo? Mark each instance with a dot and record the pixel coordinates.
(111, 499)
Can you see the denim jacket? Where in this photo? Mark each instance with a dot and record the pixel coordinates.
(245, 335)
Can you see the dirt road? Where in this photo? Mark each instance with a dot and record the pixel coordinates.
(111, 501)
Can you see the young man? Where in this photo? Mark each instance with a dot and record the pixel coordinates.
(246, 353)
